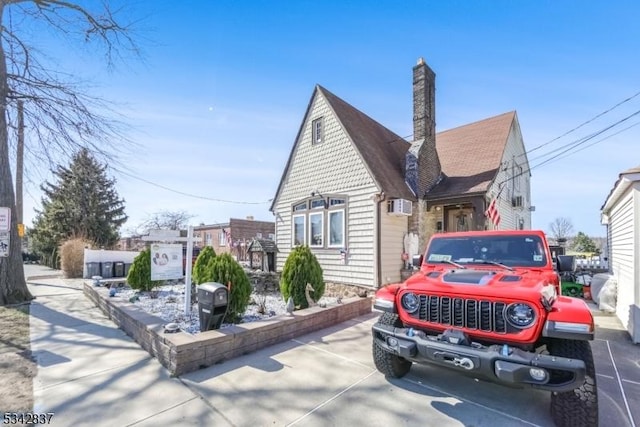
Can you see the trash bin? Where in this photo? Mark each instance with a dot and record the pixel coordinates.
(107, 270)
(127, 267)
(118, 269)
(93, 269)
(212, 305)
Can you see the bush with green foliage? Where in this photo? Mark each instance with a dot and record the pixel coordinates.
(139, 276)
(226, 270)
(204, 258)
(301, 267)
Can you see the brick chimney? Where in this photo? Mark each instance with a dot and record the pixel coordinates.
(423, 169)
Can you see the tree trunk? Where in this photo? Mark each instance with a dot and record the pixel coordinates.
(13, 288)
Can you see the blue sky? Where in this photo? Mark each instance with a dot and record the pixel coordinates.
(218, 100)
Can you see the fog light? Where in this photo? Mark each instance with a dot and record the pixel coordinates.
(392, 342)
(538, 374)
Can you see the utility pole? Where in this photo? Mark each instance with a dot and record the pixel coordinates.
(20, 162)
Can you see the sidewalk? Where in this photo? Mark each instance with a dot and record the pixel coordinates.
(91, 373)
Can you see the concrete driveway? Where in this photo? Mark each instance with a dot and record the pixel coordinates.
(90, 370)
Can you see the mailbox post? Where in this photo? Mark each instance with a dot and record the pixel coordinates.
(213, 300)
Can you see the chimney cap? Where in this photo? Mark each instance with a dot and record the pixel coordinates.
(420, 61)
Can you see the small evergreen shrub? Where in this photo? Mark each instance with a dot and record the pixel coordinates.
(226, 270)
(72, 257)
(139, 276)
(300, 268)
(204, 258)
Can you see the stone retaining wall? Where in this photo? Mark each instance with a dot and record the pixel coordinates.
(181, 352)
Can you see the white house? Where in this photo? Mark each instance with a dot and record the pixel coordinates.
(364, 199)
(621, 215)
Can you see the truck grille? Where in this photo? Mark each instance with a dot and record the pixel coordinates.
(463, 313)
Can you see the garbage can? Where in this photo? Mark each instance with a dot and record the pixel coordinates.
(107, 270)
(213, 299)
(118, 269)
(93, 269)
(127, 267)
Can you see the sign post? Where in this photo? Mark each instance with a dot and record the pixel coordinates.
(5, 228)
(187, 272)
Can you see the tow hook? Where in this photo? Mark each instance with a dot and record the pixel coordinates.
(455, 360)
(463, 362)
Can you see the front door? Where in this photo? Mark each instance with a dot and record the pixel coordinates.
(459, 219)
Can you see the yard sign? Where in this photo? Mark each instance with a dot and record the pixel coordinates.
(5, 224)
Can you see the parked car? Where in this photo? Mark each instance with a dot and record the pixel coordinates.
(488, 304)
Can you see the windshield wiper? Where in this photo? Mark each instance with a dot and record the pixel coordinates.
(484, 261)
(454, 263)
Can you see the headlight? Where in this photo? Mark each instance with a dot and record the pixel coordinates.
(520, 315)
(410, 302)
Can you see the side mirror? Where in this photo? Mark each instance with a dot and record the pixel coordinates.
(417, 260)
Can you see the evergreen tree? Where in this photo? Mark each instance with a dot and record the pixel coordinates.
(82, 203)
(583, 243)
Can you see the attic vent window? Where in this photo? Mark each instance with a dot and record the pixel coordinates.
(317, 130)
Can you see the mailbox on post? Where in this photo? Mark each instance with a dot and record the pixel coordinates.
(213, 300)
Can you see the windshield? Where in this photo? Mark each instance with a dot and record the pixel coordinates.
(509, 250)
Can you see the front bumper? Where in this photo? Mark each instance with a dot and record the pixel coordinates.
(496, 363)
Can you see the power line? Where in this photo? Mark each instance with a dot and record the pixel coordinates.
(572, 145)
(583, 124)
(183, 193)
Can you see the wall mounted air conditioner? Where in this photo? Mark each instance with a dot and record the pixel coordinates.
(516, 201)
(400, 207)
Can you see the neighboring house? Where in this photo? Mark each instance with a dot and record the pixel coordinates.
(234, 236)
(364, 199)
(621, 215)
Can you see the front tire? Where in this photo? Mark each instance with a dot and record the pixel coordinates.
(391, 365)
(578, 407)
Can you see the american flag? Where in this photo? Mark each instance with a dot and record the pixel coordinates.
(492, 212)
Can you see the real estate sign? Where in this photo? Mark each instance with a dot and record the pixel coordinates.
(166, 261)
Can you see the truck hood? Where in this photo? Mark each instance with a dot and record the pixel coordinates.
(525, 283)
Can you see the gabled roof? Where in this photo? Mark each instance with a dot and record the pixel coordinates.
(470, 155)
(633, 171)
(382, 150)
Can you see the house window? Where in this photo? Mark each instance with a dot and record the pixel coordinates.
(317, 130)
(517, 177)
(316, 231)
(317, 203)
(272, 236)
(300, 207)
(207, 239)
(299, 230)
(336, 229)
(319, 223)
(223, 238)
(258, 235)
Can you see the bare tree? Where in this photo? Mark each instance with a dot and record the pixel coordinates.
(561, 229)
(59, 113)
(165, 220)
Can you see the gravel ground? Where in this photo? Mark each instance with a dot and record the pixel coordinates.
(167, 302)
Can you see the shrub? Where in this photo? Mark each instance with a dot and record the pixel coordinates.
(300, 268)
(204, 258)
(139, 276)
(226, 270)
(72, 257)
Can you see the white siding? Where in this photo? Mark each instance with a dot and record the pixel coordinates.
(513, 159)
(394, 229)
(622, 253)
(332, 167)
